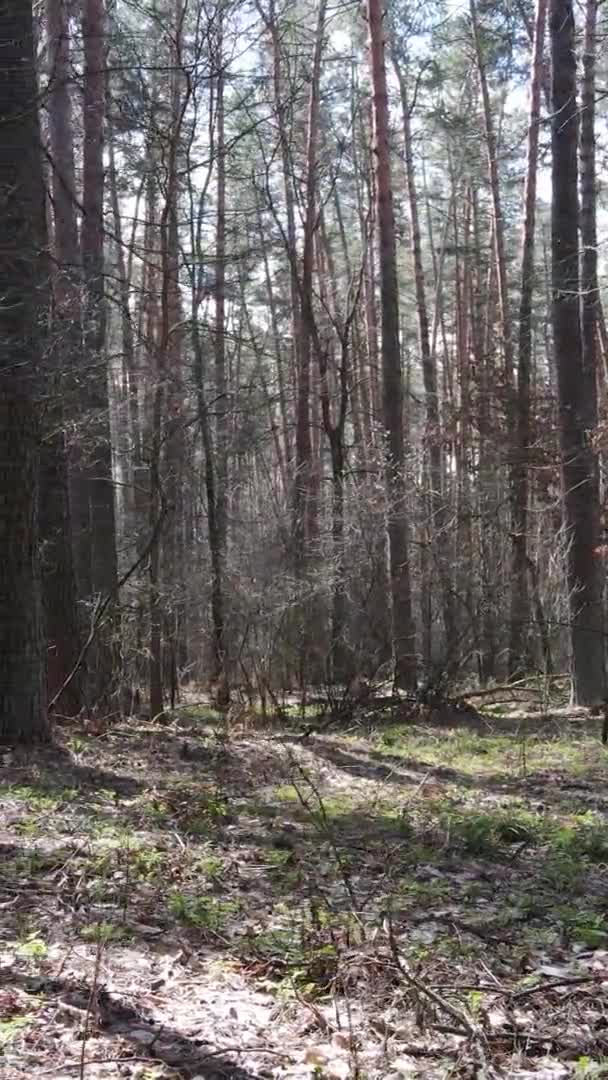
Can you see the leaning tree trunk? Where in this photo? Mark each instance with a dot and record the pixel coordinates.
(404, 644)
(520, 600)
(23, 271)
(579, 464)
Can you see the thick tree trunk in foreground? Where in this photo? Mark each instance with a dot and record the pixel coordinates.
(23, 713)
(404, 645)
(579, 466)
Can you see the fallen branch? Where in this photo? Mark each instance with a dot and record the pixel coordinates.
(573, 980)
(514, 688)
(464, 1024)
(90, 1008)
(199, 1059)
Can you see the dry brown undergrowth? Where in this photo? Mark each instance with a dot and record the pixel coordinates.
(414, 902)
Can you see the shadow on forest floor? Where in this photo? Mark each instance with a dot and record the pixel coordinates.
(555, 786)
(116, 1016)
(225, 896)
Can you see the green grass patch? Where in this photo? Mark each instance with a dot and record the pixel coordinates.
(11, 1028)
(514, 754)
(32, 946)
(42, 799)
(586, 838)
(286, 793)
(105, 933)
(203, 714)
(202, 912)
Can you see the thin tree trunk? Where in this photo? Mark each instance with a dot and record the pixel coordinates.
(131, 439)
(218, 533)
(100, 543)
(579, 466)
(59, 592)
(519, 658)
(282, 103)
(285, 455)
(166, 392)
(304, 510)
(499, 228)
(438, 506)
(404, 644)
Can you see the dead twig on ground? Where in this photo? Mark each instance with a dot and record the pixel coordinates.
(90, 1008)
(321, 819)
(465, 1026)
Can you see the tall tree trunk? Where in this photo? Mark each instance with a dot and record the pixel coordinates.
(520, 601)
(150, 501)
(579, 466)
(438, 505)
(129, 442)
(284, 452)
(499, 226)
(164, 484)
(58, 583)
(282, 104)
(335, 381)
(218, 513)
(61, 130)
(304, 510)
(174, 569)
(23, 271)
(591, 319)
(101, 539)
(404, 644)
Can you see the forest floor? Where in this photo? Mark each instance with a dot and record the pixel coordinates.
(398, 901)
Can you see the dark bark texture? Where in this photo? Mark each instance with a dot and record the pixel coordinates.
(23, 270)
(579, 465)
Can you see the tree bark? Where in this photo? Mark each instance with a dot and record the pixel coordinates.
(437, 503)
(499, 228)
(519, 658)
(218, 511)
(100, 543)
(304, 510)
(58, 582)
(23, 287)
(404, 644)
(281, 105)
(579, 465)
